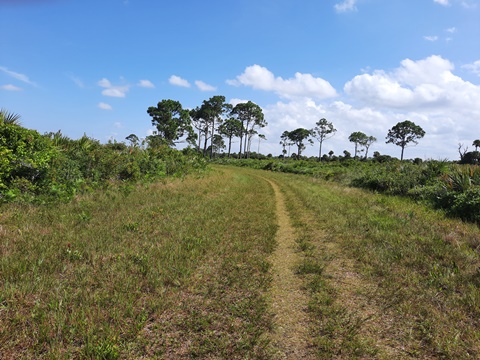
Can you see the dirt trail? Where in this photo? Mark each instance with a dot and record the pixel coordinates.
(288, 301)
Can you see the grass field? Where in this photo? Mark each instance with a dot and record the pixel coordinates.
(387, 278)
(182, 269)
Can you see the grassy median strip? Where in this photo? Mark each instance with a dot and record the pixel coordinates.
(175, 269)
(387, 278)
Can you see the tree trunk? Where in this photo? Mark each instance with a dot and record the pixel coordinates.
(241, 142)
(240, 151)
(229, 145)
(211, 141)
(320, 152)
(205, 143)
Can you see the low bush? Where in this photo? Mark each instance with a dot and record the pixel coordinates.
(43, 168)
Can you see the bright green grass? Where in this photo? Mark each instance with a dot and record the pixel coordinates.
(167, 270)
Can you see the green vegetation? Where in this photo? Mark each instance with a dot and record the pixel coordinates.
(323, 131)
(387, 277)
(52, 167)
(115, 251)
(404, 133)
(297, 137)
(181, 269)
(444, 185)
(362, 142)
(159, 271)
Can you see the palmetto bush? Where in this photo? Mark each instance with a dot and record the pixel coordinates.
(463, 185)
(456, 191)
(462, 178)
(36, 167)
(466, 205)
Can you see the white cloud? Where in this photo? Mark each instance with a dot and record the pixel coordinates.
(104, 106)
(347, 5)
(431, 38)
(204, 86)
(451, 30)
(104, 83)
(474, 67)
(236, 101)
(416, 84)
(118, 91)
(113, 91)
(146, 84)
(346, 118)
(21, 77)
(442, 2)
(302, 85)
(178, 81)
(425, 91)
(10, 87)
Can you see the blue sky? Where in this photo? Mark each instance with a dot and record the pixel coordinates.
(95, 66)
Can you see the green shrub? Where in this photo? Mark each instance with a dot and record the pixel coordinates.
(36, 167)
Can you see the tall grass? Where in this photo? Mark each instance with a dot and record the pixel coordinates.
(162, 270)
(389, 277)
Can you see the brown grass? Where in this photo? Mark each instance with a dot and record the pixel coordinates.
(288, 300)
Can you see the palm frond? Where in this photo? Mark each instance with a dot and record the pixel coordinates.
(8, 117)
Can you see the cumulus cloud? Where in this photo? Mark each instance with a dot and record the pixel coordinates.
(18, 76)
(204, 86)
(424, 91)
(146, 84)
(451, 30)
(346, 118)
(104, 106)
(431, 38)
(415, 84)
(302, 85)
(10, 87)
(442, 2)
(347, 5)
(474, 67)
(111, 90)
(178, 81)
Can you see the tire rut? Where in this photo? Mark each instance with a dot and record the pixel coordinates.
(288, 301)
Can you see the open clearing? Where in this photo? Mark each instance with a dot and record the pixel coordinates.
(237, 264)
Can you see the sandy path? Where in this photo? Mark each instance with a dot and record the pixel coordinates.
(288, 301)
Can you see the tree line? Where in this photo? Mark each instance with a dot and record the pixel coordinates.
(402, 134)
(207, 127)
(215, 120)
(211, 122)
